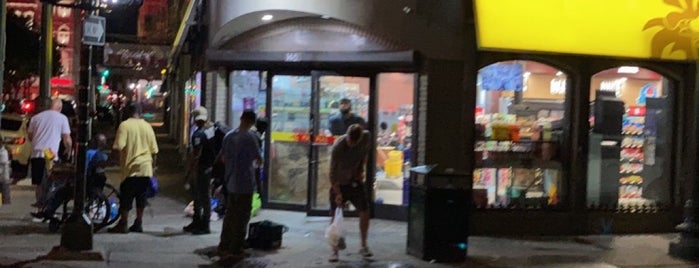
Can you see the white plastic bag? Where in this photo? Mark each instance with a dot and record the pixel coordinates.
(335, 233)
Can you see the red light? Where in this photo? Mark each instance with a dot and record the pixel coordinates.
(27, 107)
(19, 141)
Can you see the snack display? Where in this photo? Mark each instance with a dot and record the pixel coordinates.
(632, 153)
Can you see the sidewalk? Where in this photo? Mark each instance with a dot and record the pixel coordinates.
(164, 245)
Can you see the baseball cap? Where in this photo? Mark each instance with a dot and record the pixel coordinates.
(200, 113)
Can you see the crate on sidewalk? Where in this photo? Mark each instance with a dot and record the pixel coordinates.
(265, 235)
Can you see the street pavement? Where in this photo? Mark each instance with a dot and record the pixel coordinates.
(24, 243)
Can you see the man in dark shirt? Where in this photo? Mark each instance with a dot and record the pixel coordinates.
(340, 122)
(199, 173)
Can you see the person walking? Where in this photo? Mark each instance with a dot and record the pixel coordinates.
(201, 159)
(136, 144)
(339, 123)
(46, 131)
(241, 154)
(347, 161)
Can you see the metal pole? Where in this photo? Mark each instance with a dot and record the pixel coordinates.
(46, 57)
(3, 41)
(77, 232)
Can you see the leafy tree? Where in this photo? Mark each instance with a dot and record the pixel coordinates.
(22, 54)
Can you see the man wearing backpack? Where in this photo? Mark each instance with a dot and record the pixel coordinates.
(199, 172)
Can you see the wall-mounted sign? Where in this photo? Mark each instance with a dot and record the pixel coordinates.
(558, 86)
(648, 90)
(659, 29)
(616, 85)
(135, 56)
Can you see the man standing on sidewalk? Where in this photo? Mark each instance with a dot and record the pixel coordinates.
(135, 141)
(201, 159)
(347, 162)
(45, 132)
(339, 123)
(240, 154)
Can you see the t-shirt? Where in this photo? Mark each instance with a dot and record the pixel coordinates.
(240, 150)
(202, 139)
(46, 129)
(347, 163)
(339, 124)
(93, 158)
(135, 139)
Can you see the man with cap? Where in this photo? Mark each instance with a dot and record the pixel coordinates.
(340, 122)
(201, 160)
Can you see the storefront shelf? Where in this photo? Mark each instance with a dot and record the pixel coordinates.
(520, 164)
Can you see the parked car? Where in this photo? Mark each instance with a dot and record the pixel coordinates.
(13, 128)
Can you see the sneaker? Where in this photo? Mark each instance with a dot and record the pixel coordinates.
(201, 231)
(334, 257)
(365, 252)
(190, 227)
(136, 227)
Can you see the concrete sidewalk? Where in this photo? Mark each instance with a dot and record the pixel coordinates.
(164, 245)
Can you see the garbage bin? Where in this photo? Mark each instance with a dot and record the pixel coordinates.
(438, 215)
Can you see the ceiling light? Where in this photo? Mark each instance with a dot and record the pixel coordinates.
(267, 17)
(628, 70)
(559, 73)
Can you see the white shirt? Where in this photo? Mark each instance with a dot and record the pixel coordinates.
(46, 129)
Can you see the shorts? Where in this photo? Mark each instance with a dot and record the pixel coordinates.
(355, 193)
(133, 188)
(38, 170)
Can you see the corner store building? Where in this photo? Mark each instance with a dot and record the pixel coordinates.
(436, 43)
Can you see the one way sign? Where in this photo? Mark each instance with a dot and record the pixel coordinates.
(94, 30)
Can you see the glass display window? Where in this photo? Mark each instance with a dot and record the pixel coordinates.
(394, 137)
(520, 120)
(630, 138)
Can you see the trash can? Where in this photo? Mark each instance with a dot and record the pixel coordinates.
(438, 215)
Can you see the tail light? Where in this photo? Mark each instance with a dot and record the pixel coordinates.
(15, 141)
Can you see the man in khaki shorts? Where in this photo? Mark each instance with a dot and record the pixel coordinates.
(347, 162)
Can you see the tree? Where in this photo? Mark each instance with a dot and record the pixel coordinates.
(22, 55)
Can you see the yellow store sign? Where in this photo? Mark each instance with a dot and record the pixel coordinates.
(658, 29)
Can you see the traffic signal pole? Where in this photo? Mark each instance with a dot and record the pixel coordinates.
(77, 231)
(46, 56)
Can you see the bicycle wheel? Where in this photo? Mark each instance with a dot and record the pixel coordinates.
(112, 196)
(98, 209)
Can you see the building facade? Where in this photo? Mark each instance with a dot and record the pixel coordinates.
(543, 138)
(65, 36)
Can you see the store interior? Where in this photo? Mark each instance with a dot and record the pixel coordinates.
(290, 122)
(520, 123)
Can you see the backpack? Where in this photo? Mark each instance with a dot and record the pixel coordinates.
(220, 131)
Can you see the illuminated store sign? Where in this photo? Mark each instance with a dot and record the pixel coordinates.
(616, 85)
(658, 29)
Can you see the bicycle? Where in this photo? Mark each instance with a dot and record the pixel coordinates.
(101, 207)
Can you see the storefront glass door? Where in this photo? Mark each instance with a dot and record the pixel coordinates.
(300, 139)
(329, 89)
(288, 155)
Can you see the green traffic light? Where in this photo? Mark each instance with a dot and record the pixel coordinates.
(105, 73)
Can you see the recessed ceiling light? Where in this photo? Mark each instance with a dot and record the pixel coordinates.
(267, 17)
(628, 70)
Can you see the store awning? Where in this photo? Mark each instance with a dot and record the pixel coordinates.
(406, 60)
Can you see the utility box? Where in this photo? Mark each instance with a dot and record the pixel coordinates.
(438, 215)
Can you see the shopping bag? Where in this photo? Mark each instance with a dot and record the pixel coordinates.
(152, 189)
(335, 233)
(256, 204)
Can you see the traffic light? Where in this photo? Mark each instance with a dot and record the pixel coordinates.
(105, 73)
(27, 107)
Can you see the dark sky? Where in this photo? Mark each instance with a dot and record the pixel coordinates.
(122, 21)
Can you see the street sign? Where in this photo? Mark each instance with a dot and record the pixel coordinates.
(94, 30)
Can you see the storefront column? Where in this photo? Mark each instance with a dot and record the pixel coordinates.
(445, 136)
(687, 247)
(580, 111)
